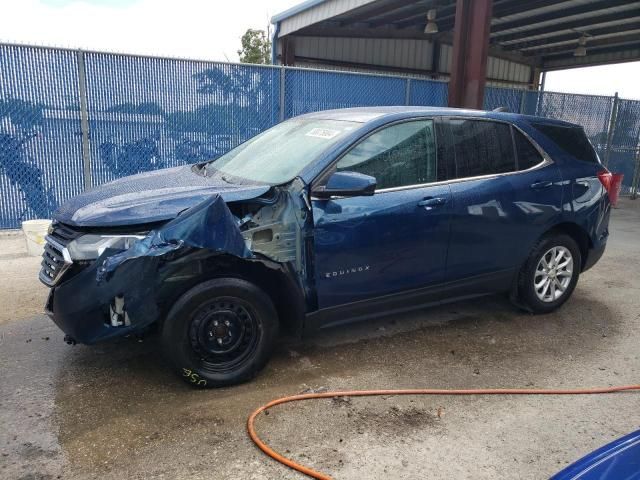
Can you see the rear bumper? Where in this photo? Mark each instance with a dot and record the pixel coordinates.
(593, 256)
(600, 235)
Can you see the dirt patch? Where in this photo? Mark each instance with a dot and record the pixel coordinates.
(394, 421)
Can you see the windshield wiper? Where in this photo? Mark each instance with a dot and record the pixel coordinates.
(200, 169)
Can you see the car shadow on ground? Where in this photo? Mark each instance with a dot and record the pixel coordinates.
(139, 361)
(120, 397)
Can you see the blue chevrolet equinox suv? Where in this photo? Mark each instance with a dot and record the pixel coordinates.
(328, 218)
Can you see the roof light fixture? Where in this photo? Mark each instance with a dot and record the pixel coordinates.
(432, 26)
(581, 49)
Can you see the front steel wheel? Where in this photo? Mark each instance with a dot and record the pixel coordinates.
(224, 334)
(220, 332)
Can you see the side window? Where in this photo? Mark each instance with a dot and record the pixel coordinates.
(446, 155)
(482, 147)
(399, 155)
(528, 155)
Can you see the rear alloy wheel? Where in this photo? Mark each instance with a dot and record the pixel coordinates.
(553, 274)
(220, 333)
(550, 274)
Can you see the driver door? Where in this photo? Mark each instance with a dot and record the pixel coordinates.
(395, 240)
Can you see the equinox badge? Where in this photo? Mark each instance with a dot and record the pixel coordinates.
(346, 271)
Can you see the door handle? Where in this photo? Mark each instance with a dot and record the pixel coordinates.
(541, 185)
(432, 202)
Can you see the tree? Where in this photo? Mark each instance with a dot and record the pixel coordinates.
(256, 47)
(240, 92)
(22, 113)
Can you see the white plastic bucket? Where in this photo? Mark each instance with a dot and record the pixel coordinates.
(34, 232)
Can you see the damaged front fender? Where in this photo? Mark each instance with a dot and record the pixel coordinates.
(209, 225)
(126, 291)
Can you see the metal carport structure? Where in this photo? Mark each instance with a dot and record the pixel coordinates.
(504, 42)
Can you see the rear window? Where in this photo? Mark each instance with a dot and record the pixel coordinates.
(482, 147)
(572, 140)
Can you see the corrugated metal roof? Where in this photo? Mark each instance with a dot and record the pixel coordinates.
(535, 33)
(528, 38)
(395, 52)
(316, 11)
(561, 20)
(612, 56)
(572, 43)
(556, 7)
(295, 10)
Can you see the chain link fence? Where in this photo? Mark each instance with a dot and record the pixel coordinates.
(70, 119)
(40, 133)
(312, 90)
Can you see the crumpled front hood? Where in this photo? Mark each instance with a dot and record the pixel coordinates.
(149, 197)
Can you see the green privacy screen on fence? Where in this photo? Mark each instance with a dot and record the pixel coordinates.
(70, 120)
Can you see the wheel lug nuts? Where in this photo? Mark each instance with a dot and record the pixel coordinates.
(227, 323)
(215, 323)
(219, 341)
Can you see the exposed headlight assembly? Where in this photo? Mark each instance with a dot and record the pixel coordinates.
(90, 247)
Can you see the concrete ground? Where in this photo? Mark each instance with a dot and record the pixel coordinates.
(21, 294)
(114, 411)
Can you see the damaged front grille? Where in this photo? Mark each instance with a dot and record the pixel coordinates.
(56, 259)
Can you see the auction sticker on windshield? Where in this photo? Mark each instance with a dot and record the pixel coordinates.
(322, 133)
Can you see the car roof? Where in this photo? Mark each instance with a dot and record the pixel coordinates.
(368, 114)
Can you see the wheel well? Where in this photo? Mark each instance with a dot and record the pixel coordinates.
(279, 284)
(273, 278)
(579, 234)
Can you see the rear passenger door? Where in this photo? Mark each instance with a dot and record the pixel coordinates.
(499, 206)
(538, 195)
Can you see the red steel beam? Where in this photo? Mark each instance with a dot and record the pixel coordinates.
(470, 52)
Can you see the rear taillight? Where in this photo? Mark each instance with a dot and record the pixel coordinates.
(605, 179)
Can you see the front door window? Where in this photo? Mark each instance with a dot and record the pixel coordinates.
(397, 156)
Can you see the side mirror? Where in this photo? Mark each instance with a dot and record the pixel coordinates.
(346, 184)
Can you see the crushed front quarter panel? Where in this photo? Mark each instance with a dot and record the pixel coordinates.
(209, 225)
(277, 231)
(272, 235)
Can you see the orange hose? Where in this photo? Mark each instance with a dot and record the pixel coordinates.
(419, 391)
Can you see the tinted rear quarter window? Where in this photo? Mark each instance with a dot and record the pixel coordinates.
(482, 147)
(572, 140)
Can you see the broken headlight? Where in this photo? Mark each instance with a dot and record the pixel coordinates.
(90, 247)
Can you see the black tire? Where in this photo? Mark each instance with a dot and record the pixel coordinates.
(527, 295)
(220, 333)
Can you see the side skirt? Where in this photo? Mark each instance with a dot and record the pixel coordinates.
(467, 288)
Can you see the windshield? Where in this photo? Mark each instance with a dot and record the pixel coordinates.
(279, 154)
